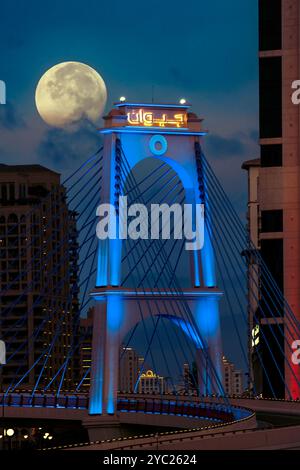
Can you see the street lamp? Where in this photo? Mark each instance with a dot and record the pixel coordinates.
(9, 433)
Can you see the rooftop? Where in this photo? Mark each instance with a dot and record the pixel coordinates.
(129, 104)
(25, 168)
(250, 163)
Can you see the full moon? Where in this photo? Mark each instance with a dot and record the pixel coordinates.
(69, 92)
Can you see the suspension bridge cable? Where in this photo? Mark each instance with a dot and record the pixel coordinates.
(188, 326)
(270, 326)
(237, 297)
(63, 183)
(217, 378)
(146, 355)
(48, 210)
(56, 268)
(257, 274)
(168, 193)
(193, 322)
(136, 268)
(239, 226)
(255, 317)
(25, 272)
(50, 254)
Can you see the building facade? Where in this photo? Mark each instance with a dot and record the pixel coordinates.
(190, 378)
(38, 283)
(274, 198)
(151, 383)
(233, 379)
(85, 349)
(129, 369)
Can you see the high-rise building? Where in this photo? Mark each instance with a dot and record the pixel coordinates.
(38, 283)
(129, 370)
(130, 362)
(85, 349)
(190, 377)
(233, 379)
(186, 377)
(274, 197)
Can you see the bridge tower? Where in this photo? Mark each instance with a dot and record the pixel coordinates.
(171, 134)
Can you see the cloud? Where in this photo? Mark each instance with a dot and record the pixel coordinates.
(62, 147)
(183, 78)
(254, 135)
(10, 119)
(219, 146)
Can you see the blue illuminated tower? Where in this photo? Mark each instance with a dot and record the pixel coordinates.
(171, 134)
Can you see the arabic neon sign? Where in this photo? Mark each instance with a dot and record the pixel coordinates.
(142, 117)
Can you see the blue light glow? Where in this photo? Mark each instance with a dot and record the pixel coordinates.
(115, 249)
(196, 269)
(102, 264)
(115, 313)
(137, 130)
(151, 105)
(207, 260)
(207, 316)
(96, 393)
(187, 328)
(115, 318)
(162, 141)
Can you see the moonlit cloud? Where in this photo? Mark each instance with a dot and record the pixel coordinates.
(63, 148)
(10, 119)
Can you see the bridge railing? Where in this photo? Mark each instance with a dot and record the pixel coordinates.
(180, 408)
(193, 407)
(44, 400)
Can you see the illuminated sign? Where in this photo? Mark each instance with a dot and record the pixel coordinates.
(255, 336)
(149, 374)
(142, 117)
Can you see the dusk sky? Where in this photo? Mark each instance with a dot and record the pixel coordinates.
(203, 51)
